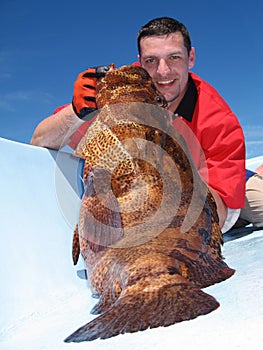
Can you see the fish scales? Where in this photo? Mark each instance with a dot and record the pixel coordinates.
(148, 228)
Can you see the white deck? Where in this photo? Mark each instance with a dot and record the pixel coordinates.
(42, 298)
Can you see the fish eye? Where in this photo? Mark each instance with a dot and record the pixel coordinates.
(160, 101)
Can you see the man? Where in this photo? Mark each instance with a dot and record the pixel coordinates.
(165, 51)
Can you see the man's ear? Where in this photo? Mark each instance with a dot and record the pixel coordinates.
(191, 58)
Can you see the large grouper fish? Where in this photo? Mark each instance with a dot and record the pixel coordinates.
(148, 228)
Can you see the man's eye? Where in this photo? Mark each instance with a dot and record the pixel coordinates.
(150, 60)
(175, 57)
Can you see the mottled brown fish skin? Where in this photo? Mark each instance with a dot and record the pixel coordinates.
(157, 281)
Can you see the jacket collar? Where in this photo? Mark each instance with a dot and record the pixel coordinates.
(187, 105)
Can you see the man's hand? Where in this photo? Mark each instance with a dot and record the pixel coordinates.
(84, 99)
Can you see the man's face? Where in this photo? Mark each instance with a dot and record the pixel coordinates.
(166, 60)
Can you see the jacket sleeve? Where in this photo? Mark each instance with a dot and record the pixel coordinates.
(224, 148)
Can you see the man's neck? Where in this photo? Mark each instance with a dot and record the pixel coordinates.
(185, 106)
(172, 106)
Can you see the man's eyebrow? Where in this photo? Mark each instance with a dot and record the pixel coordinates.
(177, 52)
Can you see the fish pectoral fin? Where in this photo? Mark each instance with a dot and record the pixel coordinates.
(100, 222)
(148, 309)
(75, 246)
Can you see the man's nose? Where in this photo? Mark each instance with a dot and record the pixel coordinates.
(163, 67)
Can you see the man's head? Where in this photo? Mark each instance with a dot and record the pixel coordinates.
(165, 51)
(164, 26)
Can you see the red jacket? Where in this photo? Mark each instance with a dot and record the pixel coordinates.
(221, 139)
(208, 122)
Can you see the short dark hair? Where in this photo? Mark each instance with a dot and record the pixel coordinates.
(164, 26)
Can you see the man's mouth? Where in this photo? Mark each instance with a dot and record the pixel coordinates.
(165, 82)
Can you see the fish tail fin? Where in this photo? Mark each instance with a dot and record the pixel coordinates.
(148, 308)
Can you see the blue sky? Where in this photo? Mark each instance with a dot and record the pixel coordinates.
(44, 45)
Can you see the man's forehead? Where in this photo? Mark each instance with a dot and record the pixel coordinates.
(176, 36)
(169, 44)
(169, 39)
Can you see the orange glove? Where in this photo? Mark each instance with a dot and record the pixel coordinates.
(84, 99)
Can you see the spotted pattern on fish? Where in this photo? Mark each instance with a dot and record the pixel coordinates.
(147, 271)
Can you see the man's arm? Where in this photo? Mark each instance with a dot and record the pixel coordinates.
(54, 132)
(221, 207)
